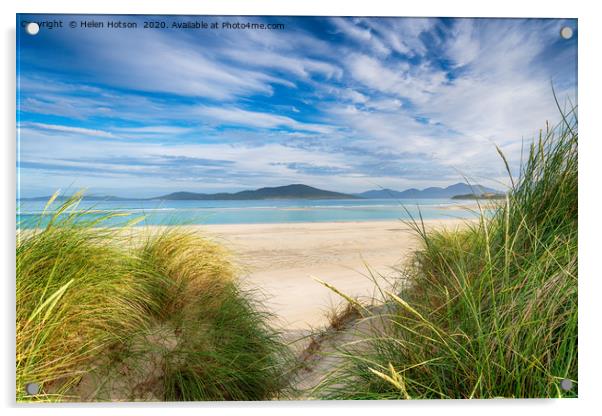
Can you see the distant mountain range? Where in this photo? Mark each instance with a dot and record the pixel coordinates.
(296, 191)
(432, 192)
(299, 191)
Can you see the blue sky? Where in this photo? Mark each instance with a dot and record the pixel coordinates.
(346, 104)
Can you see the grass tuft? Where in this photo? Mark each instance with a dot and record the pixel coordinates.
(489, 310)
(103, 316)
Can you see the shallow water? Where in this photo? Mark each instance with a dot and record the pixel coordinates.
(30, 213)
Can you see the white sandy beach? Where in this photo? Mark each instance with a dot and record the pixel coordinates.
(281, 260)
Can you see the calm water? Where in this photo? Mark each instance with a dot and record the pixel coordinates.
(249, 212)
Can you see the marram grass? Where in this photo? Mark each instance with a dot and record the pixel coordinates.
(486, 311)
(76, 296)
(226, 350)
(103, 317)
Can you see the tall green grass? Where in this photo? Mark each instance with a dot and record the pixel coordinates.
(102, 315)
(489, 310)
(226, 349)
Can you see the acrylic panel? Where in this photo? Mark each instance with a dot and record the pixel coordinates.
(295, 208)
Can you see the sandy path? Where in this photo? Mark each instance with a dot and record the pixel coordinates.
(280, 260)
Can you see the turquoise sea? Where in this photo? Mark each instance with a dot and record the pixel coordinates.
(29, 213)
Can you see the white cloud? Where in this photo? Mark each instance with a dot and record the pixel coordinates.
(152, 61)
(363, 36)
(402, 35)
(257, 119)
(354, 96)
(294, 65)
(396, 79)
(463, 46)
(153, 130)
(385, 104)
(69, 129)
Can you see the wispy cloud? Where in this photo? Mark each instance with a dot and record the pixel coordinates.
(342, 103)
(68, 129)
(240, 117)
